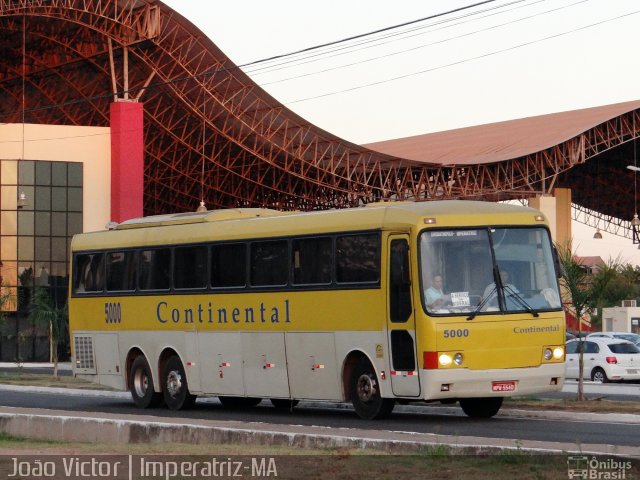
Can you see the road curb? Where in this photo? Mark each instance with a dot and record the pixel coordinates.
(505, 412)
(93, 427)
(107, 430)
(59, 426)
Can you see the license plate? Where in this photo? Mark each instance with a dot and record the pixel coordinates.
(632, 372)
(503, 386)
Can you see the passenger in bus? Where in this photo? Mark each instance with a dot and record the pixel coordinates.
(490, 295)
(84, 273)
(435, 297)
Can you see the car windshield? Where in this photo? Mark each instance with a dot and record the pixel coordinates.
(460, 268)
(623, 348)
(632, 337)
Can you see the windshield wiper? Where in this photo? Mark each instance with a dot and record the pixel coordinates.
(521, 301)
(482, 304)
(511, 293)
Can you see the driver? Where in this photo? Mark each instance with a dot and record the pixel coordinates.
(492, 292)
(434, 296)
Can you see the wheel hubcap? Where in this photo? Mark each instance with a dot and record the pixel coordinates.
(366, 388)
(141, 383)
(174, 383)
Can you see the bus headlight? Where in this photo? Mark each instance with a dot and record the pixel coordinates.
(444, 359)
(458, 359)
(558, 353)
(548, 353)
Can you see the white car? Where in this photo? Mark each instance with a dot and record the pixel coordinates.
(632, 337)
(605, 359)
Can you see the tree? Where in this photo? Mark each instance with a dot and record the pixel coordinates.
(576, 285)
(612, 283)
(44, 311)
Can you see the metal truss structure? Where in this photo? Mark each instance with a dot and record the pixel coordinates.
(211, 133)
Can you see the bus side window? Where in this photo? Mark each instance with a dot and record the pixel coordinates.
(269, 263)
(155, 269)
(358, 258)
(82, 273)
(229, 265)
(89, 275)
(190, 267)
(121, 271)
(311, 261)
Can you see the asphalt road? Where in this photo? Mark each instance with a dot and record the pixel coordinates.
(435, 420)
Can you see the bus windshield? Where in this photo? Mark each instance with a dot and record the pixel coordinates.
(473, 271)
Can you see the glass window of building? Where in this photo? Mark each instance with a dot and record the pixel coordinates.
(40, 210)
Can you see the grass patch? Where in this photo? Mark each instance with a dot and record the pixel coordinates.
(438, 461)
(598, 405)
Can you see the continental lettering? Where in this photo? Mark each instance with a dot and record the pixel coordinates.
(221, 315)
(542, 329)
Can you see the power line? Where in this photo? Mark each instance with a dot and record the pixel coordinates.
(468, 34)
(368, 43)
(212, 72)
(459, 62)
(373, 32)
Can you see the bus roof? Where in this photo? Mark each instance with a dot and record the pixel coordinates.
(230, 224)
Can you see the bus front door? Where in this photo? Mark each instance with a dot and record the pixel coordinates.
(401, 324)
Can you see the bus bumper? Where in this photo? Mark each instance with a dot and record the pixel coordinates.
(464, 383)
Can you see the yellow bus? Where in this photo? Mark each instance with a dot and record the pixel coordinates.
(440, 301)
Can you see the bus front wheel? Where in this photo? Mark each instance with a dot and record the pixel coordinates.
(175, 388)
(141, 384)
(365, 393)
(481, 407)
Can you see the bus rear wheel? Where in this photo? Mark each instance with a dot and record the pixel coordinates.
(141, 384)
(481, 407)
(175, 387)
(365, 393)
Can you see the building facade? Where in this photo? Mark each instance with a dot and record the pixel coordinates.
(54, 183)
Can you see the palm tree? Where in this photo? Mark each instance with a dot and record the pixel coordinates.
(577, 290)
(43, 310)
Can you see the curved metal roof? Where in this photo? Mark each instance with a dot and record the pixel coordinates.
(255, 152)
(496, 142)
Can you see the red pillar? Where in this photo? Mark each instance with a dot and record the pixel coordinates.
(127, 160)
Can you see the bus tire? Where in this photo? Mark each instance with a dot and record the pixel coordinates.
(175, 387)
(481, 407)
(239, 402)
(284, 404)
(141, 384)
(365, 393)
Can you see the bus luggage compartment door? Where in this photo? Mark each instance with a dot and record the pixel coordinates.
(313, 371)
(265, 364)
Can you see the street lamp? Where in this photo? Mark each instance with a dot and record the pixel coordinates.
(22, 200)
(635, 224)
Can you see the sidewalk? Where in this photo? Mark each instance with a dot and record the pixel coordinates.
(33, 365)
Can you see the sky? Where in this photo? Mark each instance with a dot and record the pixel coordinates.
(497, 61)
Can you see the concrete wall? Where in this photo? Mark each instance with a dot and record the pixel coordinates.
(620, 319)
